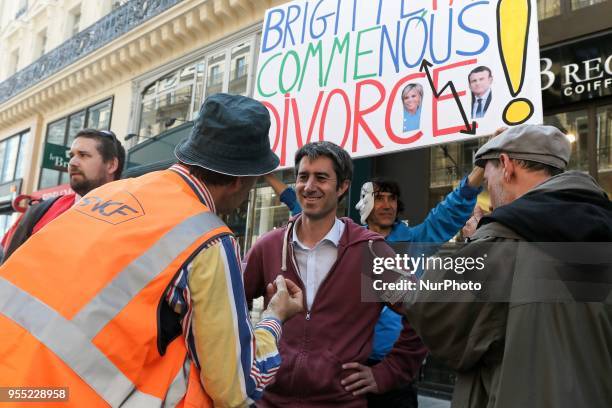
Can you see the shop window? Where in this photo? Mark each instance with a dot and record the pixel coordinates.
(548, 8)
(12, 161)
(444, 167)
(578, 4)
(63, 131)
(576, 126)
(451, 161)
(171, 100)
(604, 146)
(6, 220)
(604, 138)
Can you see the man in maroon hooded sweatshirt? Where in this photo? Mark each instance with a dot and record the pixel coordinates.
(324, 350)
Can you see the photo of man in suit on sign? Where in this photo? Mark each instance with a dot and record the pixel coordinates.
(480, 80)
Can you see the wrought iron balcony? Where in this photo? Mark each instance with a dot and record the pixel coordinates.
(108, 28)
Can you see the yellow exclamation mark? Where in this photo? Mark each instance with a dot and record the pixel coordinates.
(513, 18)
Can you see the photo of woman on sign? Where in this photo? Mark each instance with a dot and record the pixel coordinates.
(412, 96)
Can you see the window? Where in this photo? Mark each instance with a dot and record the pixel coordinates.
(604, 137)
(240, 56)
(603, 130)
(578, 4)
(239, 68)
(548, 8)
(63, 131)
(12, 160)
(214, 82)
(176, 97)
(13, 64)
(74, 19)
(576, 126)
(118, 3)
(451, 161)
(171, 100)
(41, 44)
(22, 7)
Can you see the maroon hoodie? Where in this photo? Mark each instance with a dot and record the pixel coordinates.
(338, 329)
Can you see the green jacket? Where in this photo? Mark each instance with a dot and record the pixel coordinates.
(537, 335)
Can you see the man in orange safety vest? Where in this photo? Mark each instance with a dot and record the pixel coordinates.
(134, 297)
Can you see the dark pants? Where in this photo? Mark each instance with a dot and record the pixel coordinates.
(404, 396)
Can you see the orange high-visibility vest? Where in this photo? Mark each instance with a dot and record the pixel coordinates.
(79, 300)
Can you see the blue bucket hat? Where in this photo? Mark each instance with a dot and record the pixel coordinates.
(230, 136)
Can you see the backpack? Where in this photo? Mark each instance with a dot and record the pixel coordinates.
(24, 230)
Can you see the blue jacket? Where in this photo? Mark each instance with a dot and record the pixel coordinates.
(289, 198)
(441, 224)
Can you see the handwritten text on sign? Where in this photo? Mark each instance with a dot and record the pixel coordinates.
(377, 76)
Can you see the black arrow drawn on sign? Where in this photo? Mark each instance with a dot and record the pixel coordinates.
(469, 129)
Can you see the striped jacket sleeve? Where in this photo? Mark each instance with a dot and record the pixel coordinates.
(236, 361)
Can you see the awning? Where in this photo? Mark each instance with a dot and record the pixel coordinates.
(155, 153)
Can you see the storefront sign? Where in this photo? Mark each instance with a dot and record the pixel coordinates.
(381, 76)
(56, 157)
(577, 71)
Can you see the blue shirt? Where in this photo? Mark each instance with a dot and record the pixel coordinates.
(289, 198)
(441, 224)
(412, 121)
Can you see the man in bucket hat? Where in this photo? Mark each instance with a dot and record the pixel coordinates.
(159, 319)
(539, 333)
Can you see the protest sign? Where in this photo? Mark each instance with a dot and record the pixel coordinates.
(378, 76)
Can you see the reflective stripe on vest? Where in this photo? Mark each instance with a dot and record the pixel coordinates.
(113, 298)
(178, 387)
(66, 340)
(70, 340)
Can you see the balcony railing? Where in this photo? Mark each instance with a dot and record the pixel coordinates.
(108, 28)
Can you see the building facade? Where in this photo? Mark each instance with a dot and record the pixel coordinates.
(141, 68)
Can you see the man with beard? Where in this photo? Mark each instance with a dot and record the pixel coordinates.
(96, 158)
(539, 332)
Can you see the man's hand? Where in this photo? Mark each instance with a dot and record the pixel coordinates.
(286, 302)
(360, 382)
(477, 175)
(470, 226)
(499, 131)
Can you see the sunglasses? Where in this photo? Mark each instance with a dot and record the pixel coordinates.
(107, 133)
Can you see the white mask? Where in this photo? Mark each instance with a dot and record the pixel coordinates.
(366, 203)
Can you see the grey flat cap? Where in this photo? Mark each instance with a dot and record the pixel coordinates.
(537, 143)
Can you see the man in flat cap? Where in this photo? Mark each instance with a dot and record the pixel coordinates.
(134, 296)
(539, 331)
